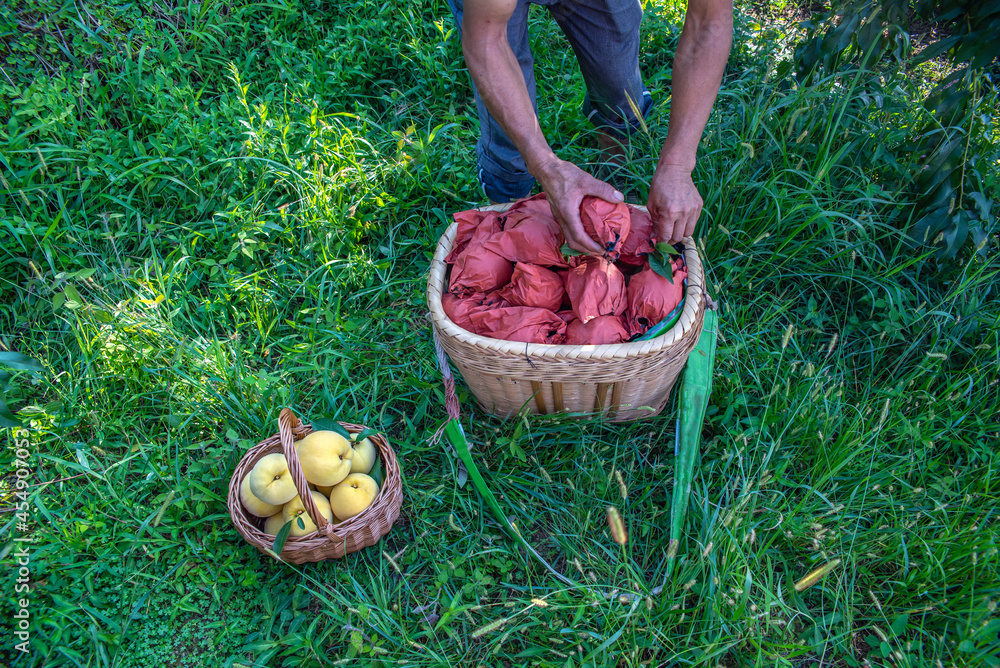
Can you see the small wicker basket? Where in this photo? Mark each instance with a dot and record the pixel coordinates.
(329, 541)
(621, 382)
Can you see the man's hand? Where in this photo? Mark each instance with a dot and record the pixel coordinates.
(674, 203)
(565, 186)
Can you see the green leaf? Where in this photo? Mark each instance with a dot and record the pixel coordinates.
(936, 49)
(331, 425)
(567, 251)
(982, 203)
(19, 361)
(279, 540)
(377, 473)
(517, 451)
(898, 625)
(73, 298)
(454, 433)
(84, 273)
(7, 419)
(660, 263)
(364, 433)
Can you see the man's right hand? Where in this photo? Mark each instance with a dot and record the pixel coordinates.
(565, 186)
(502, 89)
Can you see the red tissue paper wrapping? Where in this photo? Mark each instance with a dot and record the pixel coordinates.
(529, 238)
(520, 323)
(458, 309)
(608, 224)
(471, 222)
(639, 239)
(652, 297)
(595, 287)
(601, 330)
(531, 285)
(476, 268)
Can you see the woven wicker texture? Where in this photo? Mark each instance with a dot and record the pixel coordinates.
(330, 540)
(625, 381)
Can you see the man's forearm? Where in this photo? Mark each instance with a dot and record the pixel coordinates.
(699, 63)
(502, 89)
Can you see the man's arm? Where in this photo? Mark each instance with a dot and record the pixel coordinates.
(700, 60)
(495, 70)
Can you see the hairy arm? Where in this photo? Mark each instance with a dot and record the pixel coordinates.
(498, 77)
(700, 60)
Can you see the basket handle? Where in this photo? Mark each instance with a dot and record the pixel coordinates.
(289, 426)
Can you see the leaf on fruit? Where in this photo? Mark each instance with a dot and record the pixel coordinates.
(567, 251)
(660, 263)
(365, 433)
(377, 473)
(279, 540)
(331, 425)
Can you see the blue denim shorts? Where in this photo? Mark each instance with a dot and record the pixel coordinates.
(604, 35)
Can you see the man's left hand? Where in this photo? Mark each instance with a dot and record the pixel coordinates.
(674, 203)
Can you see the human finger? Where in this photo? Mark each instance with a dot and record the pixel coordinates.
(689, 224)
(672, 228)
(578, 239)
(605, 191)
(576, 236)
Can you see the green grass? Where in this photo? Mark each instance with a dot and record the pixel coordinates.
(229, 209)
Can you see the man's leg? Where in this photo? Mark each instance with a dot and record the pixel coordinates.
(501, 169)
(605, 37)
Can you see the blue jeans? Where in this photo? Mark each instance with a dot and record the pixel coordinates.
(604, 35)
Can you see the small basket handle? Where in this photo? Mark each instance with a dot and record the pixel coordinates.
(289, 426)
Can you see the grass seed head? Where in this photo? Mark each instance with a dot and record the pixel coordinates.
(616, 525)
(492, 626)
(622, 488)
(816, 575)
(833, 344)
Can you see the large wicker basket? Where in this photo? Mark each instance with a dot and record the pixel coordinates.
(622, 382)
(329, 541)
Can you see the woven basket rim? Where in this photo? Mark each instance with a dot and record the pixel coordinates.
(688, 320)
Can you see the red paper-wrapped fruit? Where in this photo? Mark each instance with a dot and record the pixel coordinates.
(480, 225)
(605, 222)
(531, 285)
(530, 238)
(458, 309)
(478, 269)
(601, 330)
(639, 242)
(520, 323)
(652, 297)
(595, 287)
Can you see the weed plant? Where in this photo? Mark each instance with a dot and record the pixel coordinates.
(210, 211)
